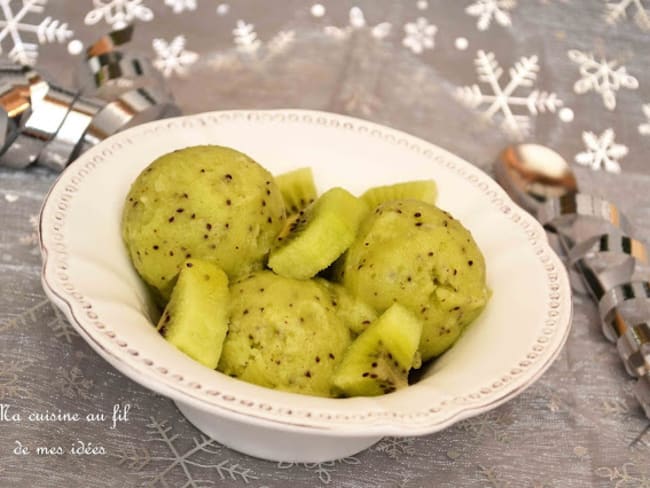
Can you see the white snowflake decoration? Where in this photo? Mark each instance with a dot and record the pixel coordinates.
(281, 42)
(188, 464)
(10, 380)
(173, 58)
(419, 35)
(323, 470)
(179, 6)
(602, 152)
(31, 239)
(615, 11)
(394, 447)
(604, 77)
(245, 37)
(502, 99)
(357, 21)
(13, 25)
(644, 129)
(118, 13)
(486, 10)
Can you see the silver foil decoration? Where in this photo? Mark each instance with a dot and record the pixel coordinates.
(614, 269)
(49, 125)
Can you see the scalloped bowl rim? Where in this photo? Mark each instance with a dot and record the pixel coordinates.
(237, 400)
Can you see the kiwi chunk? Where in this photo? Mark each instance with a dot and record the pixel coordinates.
(318, 235)
(423, 190)
(379, 359)
(297, 188)
(196, 317)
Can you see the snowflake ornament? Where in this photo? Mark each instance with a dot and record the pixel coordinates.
(281, 42)
(14, 26)
(604, 77)
(502, 99)
(323, 470)
(394, 447)
(118, 13)
(419, 35)
(602, 152)
(644, 129)
(615, 11)
(357, 21)
(11, 375)
(179, 6)
(486, 10)
(188, 461)
(245, 37)
(173, 58)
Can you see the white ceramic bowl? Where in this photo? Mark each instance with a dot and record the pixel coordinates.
(87, 274)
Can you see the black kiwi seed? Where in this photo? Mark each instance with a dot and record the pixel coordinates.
(365, 375)
(170, 219)
(317, 359)
(331, 356)
(180, 210)
(228, 177)
(308, 374)
(417, 214)
(208, 226)
(155, 247)
(228, 201)
(189, 265)
(470, 262)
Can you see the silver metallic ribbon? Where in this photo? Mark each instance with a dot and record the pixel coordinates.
(46, 124)
(614, 268)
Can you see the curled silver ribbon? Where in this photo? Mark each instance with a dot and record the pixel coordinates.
(46, 124)
(596, 238)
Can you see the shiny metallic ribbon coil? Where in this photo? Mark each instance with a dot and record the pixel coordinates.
(49, 125)
(613, 266)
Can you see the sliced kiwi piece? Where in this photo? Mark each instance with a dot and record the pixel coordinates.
(318, 235)
(196, 318)
(297, 188)
(379, 359)
(423, 190)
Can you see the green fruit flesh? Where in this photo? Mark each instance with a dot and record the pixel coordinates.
(319, 235)
(284, 334)
(355, 313)
(415, 254)
(423, 190)
(378, 361)
(195, 319)
(298, 189)
(207, 202)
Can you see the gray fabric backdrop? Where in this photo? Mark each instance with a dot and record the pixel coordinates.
(411, 65)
